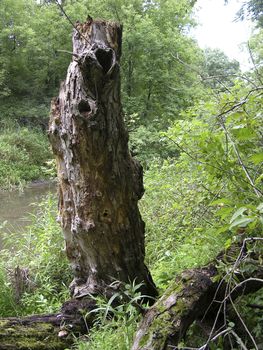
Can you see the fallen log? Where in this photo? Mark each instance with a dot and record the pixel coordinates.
(47, 332)
(199, 294)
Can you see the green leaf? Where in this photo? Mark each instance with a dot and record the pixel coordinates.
(231, 324)
(243, 134)
(228, 243)
(257, 158)
(238, 213)
(242, 222)
(221, 201)
(260, 207)
(224, 212)
(223, 229)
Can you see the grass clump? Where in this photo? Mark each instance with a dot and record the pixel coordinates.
(116, 324)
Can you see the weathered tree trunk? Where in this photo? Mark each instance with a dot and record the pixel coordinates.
(99, 182)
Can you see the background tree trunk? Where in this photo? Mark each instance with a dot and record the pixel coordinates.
(99, 182)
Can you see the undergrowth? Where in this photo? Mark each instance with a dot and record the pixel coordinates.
(24, 156)
(115, 325)
(38, 250)
(180, 223)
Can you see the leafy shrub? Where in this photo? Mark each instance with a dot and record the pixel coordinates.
(181, 230)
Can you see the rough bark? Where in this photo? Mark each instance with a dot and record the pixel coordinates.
(194, 295)
(99, 182)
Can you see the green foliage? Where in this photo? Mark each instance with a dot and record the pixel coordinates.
(154, 85)
(23, 156)
(219, 71)
(147, 145)
(201, 200)
(31, 69)
(30, 36)
(179, 221)
(40, 250)
(252, 9)
(7, 303)
(246, 305)
(224, 141)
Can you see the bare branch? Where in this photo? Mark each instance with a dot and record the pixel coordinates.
(68, 52)
(239, 340)
(254, 64)
(70, 21)
(243, 324)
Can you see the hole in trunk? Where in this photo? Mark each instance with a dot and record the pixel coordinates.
(105, 213)
(84, 108)
(105, 59)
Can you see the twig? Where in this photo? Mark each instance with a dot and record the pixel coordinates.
(206, 163)
(222, 123)
(241, 283)
(239, 340)
(70, 53)
(228, 292)
(253, 61)
(225, 331)
(255, 306)
(243, 324)
(204, 347)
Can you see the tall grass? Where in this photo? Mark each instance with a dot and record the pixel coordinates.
(39, 248)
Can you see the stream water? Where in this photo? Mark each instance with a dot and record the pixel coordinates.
(15, 206)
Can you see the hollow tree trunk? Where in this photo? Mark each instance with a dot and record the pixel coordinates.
(99, 182)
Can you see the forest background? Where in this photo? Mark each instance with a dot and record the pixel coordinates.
(195, 123)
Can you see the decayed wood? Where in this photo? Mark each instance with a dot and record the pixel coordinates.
(47, 332)
(99, 182)
(196, 294)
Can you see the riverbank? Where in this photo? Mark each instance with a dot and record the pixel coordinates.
(25, 156)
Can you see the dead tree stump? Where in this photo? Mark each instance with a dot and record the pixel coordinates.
(99, 182)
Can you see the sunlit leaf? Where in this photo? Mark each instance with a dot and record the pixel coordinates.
(238, 213)
(241, 222)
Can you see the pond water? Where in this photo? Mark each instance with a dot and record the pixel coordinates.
(15, 206)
